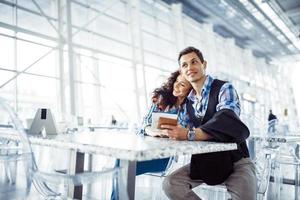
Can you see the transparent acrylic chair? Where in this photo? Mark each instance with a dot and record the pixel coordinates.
(21, 158)
(262, 153)
(15, 160)
(264, 162)
(262, 156)
(287, 170)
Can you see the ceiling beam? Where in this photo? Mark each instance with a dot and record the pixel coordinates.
(294, 12)
(219, 20)
(278, 10)
(239, 7)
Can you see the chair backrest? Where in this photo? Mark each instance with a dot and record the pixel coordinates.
(31, 165)
(263, 153)
(263, 168)
(17, 159)
(16, 122)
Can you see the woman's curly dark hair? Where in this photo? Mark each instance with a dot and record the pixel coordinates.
(166, 90)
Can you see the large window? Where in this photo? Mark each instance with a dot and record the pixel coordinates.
(119, 50)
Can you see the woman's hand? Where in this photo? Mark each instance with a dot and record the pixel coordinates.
(175, 132)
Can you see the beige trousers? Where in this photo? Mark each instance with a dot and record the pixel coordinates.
(241, 184)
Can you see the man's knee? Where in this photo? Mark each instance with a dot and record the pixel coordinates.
(167, 185)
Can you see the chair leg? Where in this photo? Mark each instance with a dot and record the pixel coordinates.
(12, 170)
(297, 182)
(6, 173)
(277, 181)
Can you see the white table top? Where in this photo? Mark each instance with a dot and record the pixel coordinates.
(277, 138)
(123, 145)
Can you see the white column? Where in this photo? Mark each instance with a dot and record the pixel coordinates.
(15, 18)
(72, 67)
(178, 26)
(62, 96)
(98, 104)
(133, 11)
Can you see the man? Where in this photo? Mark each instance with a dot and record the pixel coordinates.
(213, 106)
(272, 119)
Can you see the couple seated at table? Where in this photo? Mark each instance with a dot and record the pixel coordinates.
(207, 109)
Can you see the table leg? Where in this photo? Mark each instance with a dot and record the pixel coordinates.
(297, 183)
(90, 163)
(76, 166)
(129, 172)
(251, 145)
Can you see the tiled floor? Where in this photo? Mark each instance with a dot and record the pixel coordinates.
(149, 188)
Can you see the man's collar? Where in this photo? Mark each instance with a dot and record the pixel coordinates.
(207, 83)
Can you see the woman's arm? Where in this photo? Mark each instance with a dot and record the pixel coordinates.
(147, 119)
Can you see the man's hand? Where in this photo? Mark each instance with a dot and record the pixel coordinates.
(175, 132)
(180, 133)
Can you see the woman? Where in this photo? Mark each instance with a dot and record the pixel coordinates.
(168, 98)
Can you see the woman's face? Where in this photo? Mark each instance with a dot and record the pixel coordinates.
(181, 87)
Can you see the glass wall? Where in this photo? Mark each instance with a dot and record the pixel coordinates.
(96, 59)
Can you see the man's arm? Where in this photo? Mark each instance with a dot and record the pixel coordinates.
(201, 135)
(229, 99)
(226, 126)
(180, 133)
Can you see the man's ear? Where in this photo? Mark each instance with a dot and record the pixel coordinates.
(204, 64)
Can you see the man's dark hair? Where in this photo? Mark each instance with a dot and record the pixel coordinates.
(190, 50)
